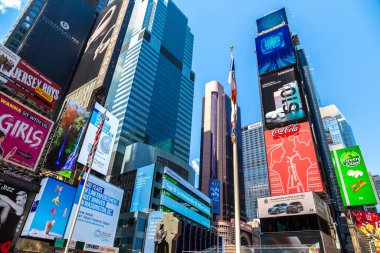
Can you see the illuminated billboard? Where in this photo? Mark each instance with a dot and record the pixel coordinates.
(282, 99)
(353, 179)
(292, 161)
(50, 212)
(368, 223)
(21, 76)
(64, 148)
(23, 133)
(274, 50)
(271, 20)
(143, 189)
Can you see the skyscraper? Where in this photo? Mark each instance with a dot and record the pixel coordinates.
(337, 128)
(151, 92)
(255, 167)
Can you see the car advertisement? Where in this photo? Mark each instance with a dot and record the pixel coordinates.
(353, 178)
(23, 133)
(292, 204)
(107, 138)
(23, 77)
(271, 20)
(369, 224)
(274, 50)
(98, 214)
(281, 98)
(291, 159)
(49, 214)
(69, 132)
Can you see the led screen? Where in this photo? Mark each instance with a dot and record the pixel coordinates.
(142, 189)
(271, 20)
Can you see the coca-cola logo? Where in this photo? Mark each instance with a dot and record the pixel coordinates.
(285, 131)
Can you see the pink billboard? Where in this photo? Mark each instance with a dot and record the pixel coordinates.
(23, 133)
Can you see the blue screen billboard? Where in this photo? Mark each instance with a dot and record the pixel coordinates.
(271, 20)
(274, 50)
(142, 189)
(214, 194)
(154, 218)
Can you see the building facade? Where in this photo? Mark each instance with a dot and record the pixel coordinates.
(151, 92)
(255, 167)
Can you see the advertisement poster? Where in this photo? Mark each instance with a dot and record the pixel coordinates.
(98, 214)
(107, 138)
(154, 218)
(50, 212)
(292, 204)
(287, 242)
(64, 148)
(281, 98)
(274, 50)
(271, 20)
(214, 194)
(369, 224)
(291, 160)
(21, 76)
(353, 179)
(23, 133)
(142, 189)
(12, 207)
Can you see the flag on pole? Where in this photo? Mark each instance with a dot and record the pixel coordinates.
(232, 82)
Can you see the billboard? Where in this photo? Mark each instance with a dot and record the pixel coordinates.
(21, 76)
(64, 148)
(282, 98)
(353, 179)
(274, 50)
(292, 204)
(154, 218)
(23, 133)
(271, 20)
(56, 39)
(49, 214)
(97, 46)
(142, 189)
(12, 207)
(291, 159)
(98, 214)
(214, 194)
(368, 223)
(107, 138)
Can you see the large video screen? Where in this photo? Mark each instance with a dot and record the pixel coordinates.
(282, 99)
(274, 50)
(271, 20)
(292, 161)
(353, 179)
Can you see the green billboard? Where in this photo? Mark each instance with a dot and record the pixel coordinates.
(354, 181)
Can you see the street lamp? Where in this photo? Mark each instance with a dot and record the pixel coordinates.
(217, 235)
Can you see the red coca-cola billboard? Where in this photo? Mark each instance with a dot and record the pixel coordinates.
(291, 159)
(21, 76)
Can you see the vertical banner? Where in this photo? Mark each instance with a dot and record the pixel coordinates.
(142, 189)
(154, 218)
(214, 194)
(107, 138)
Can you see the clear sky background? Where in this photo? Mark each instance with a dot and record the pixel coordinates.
(340, 37)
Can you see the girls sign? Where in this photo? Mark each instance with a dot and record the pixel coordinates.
(23, 133)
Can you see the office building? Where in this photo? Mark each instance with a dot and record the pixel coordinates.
(216, 161)
(376, 182)
(255, 167)
(151, 92)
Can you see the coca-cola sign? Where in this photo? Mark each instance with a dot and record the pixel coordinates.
(286, 131)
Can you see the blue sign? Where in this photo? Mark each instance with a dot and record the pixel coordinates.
(214, 194)
(271, 20)
(274, 50)
(154, 218)
(142, 189)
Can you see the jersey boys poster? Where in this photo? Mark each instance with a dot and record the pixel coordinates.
(23, 133)
(292, 163)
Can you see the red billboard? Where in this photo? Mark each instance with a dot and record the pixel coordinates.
(23, 133)
(21, 76)
(291, 159)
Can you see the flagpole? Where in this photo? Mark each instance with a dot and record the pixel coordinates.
(87, 167)
(235, 159)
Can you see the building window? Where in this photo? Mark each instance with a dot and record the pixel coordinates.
(25, 25)
(32, 14)
(35, 8)
(29, 19)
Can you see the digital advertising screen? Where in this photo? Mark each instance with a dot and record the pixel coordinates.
(23, 77)
(353, 179)
(291, 159)
(368, 223)
(69, 132)
(274, 50)
(154, 218)
(282, 99)
(214, 194)
(102, 155)
(271, 20)
(50, 212)
(98, 214)
(143, 189)
(23, 133)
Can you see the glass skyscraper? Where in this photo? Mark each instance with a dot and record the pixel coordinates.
(151, 92)
(255, 167)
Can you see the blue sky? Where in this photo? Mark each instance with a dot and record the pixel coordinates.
(340, 37)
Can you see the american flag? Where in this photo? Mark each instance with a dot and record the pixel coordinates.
(232, 82)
